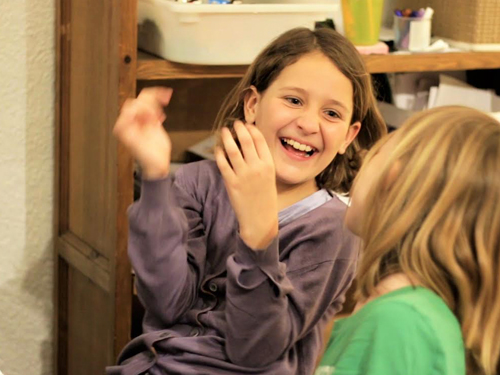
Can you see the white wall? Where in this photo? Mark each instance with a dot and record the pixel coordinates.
(27, 71)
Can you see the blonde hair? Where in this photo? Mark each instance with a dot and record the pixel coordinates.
(286, 50)
(439, 221)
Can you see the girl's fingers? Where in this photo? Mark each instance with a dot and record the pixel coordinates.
(232, 150)
(156, 98)
(144, 115)
(134, 116)
(125, 117)
(158, 95)
(126, 123)
(139, 112)
(246, 142)
(260, 143)
(224, 167)
(163, 95)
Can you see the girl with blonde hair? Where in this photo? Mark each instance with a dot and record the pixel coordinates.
(427, 205)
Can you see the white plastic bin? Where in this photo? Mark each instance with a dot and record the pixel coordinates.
(214, 34)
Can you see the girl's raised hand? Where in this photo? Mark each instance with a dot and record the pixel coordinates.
(250, 180)
(140, 128)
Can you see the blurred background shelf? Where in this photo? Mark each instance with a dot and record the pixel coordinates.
(150, 67)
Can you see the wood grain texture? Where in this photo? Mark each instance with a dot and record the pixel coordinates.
(95, 182)
(93, 108)
(89, 322)
(154, 68)
(63, 114)
(121, 270)
(61, 318)
(85, 259)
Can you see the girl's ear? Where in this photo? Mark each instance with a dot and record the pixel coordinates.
(352, 132)
(251, 104)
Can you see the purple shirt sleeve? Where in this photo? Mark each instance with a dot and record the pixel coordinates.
(270, 305)
(164, 223)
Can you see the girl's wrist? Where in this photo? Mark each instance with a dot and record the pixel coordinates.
(155, 173)
(259, 239)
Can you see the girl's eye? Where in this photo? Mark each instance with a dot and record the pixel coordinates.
(332, 114)
(294, 101)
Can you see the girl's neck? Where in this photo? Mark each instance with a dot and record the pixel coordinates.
(387, 285)
(288, 195)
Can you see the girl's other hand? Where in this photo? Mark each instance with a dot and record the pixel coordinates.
(140, 128)
(250, 180)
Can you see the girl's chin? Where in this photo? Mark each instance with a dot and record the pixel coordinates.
(287, 183)
(291, 178)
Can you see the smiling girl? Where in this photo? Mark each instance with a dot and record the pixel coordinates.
(242, 261)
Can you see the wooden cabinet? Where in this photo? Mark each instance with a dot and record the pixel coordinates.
(98, 68)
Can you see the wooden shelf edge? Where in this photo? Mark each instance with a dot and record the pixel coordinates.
(427, 62)
(150, 67)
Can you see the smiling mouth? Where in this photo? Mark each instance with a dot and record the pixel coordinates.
(299, 148)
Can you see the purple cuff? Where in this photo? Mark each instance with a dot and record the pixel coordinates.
(251, 268)
(155, 193)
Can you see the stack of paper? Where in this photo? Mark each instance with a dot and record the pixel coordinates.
(452, 91)
(412, 96)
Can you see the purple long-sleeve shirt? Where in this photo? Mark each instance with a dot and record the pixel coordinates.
(213, 305)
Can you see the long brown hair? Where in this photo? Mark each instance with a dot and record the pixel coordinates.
(439, 222)
(286, 50)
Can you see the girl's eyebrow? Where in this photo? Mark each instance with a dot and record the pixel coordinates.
(338, 103)
(293, 88)
(304, 92)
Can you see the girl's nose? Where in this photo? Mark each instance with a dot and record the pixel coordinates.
(308, 122)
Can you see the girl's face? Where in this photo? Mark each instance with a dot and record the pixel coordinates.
(365, 180)
(305, 117)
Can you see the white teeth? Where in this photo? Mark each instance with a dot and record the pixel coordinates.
(298, 146)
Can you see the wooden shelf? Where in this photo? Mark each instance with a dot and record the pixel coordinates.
(150, 67)
(425, 62)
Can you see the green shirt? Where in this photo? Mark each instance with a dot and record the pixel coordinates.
(409, 331)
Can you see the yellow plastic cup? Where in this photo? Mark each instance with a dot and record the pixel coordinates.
(362, 21)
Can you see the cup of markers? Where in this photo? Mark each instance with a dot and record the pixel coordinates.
(412, 29)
